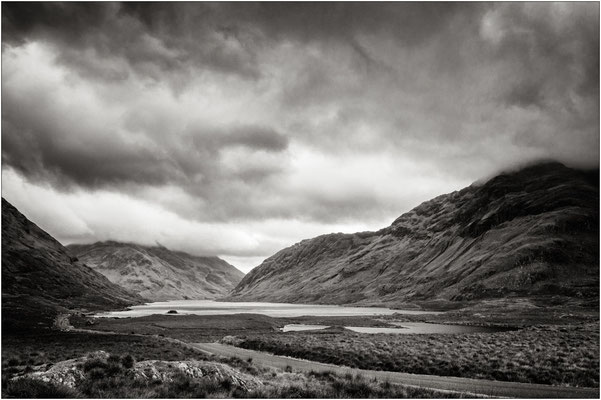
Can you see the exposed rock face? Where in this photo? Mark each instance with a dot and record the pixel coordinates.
(165, 371)
(528, 232)
(68, 372)
(40, 277)
(157, 273)
(71, 372)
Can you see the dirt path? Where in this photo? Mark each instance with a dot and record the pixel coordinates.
(465, 385)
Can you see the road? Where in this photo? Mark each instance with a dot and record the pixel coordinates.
(464, 385)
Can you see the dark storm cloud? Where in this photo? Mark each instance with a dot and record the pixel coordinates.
(56, 148)
(254, 137)
(69, 21)
(93, 165)
(223, 36)
(217, 99)
(115, 30)
(551, 55)
(303, 21)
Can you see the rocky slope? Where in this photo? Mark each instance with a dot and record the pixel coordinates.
(40, 278)
(157, 273)
(529, 232)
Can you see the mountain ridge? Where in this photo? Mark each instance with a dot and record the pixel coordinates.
(157, 273)
(511, 235)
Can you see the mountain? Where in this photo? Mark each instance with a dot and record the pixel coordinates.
(533, 231)
(40, 278)
(159, 274)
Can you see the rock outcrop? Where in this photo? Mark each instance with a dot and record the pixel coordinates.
(73, 371)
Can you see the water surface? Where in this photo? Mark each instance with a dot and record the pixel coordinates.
(210, 307)
(403, 328)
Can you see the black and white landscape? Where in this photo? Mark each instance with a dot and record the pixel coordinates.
(284, 200)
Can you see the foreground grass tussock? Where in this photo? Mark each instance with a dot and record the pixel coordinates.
(556, 355)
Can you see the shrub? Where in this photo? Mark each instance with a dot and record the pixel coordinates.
(323, 375)
(113, 369)
(33, 388)
(113, 359)
(238, 393)
(226, 383)
(357, 388)
(128, 361)
(13, 362)
(94, 363)
(96, 373)
(525, 355)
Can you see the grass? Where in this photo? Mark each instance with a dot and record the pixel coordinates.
(33, 388)
(189, 328)
(557, 355)
(510, 312)
(326, 385)
(111, 378)
(52, 346)
(550, 354)
(21, 354)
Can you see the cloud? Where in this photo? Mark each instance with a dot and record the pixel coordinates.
(551, 51)
(58, 127)
(325, 114)
(84, 217)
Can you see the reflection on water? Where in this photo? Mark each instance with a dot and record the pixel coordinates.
(209, 307)
(404, 328)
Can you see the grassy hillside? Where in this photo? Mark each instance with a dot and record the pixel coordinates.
(523, 233)
(40, 278)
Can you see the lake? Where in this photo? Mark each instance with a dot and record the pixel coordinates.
(403, 328)
(210, 307)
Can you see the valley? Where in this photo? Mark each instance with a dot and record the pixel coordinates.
(295, 200)
(463, 296)
(564, 356)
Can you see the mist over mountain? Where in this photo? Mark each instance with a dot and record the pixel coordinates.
(534, 231)
(157, 273)
(41, 278)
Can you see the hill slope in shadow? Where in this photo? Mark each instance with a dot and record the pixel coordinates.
(40, 278)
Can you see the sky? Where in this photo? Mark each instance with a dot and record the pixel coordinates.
(238, 129)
